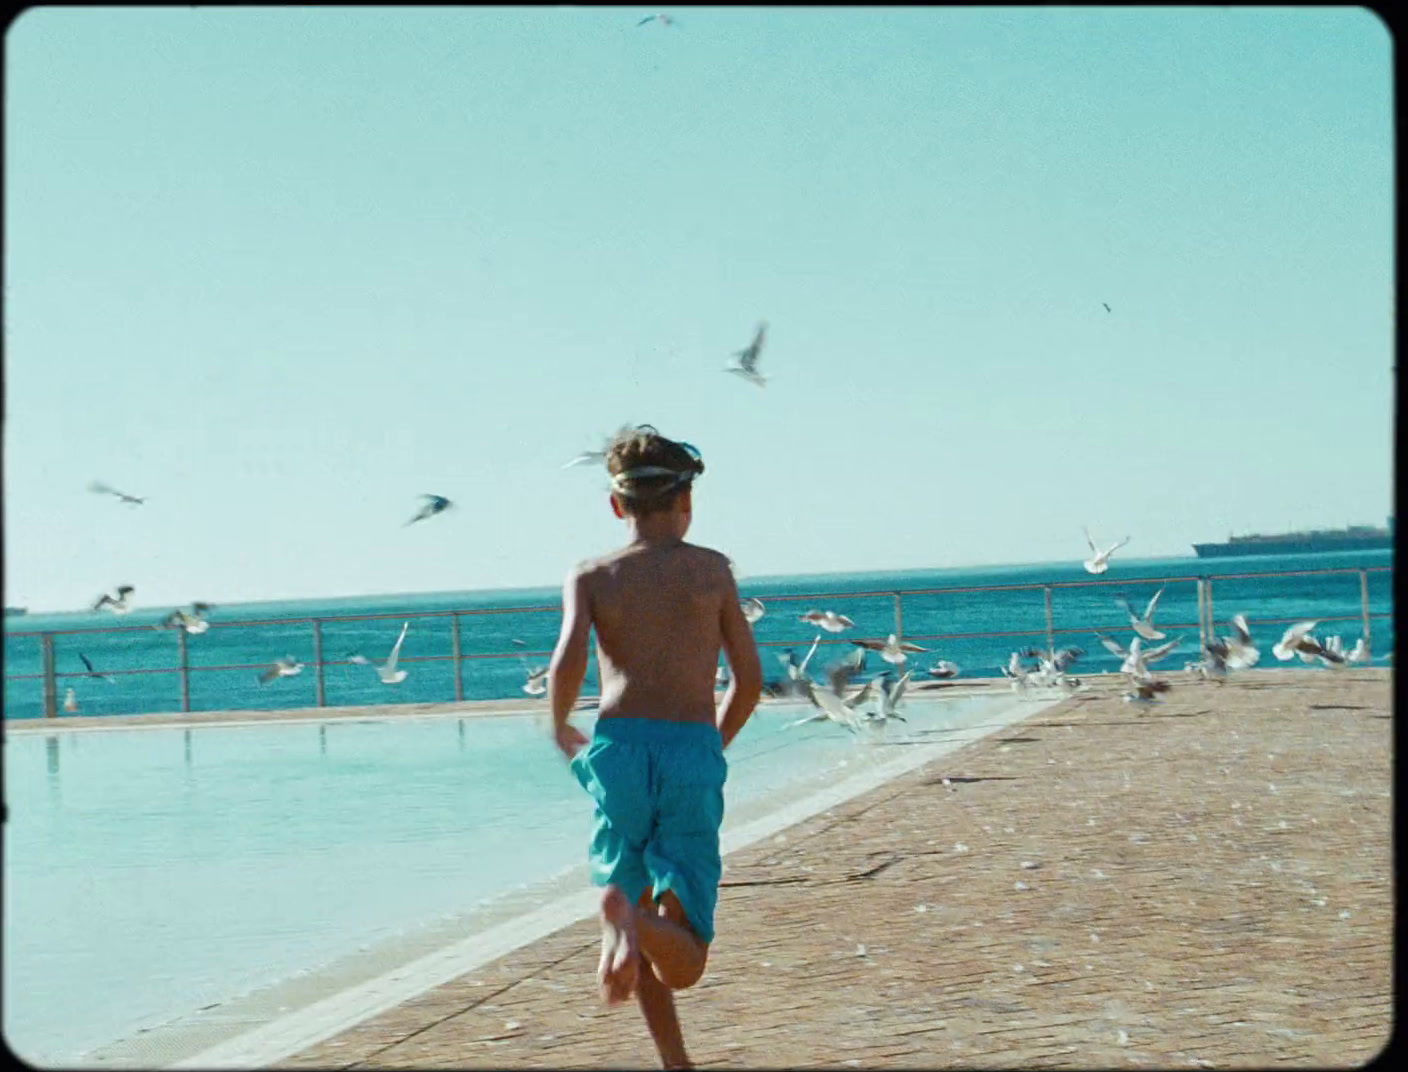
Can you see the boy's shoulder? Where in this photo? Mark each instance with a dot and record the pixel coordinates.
(703, 559)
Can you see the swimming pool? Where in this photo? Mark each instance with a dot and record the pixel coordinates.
(153, 871)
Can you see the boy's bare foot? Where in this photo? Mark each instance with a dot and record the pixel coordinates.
(620, 948)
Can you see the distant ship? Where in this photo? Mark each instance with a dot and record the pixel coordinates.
(9, 611)
(1312, 542)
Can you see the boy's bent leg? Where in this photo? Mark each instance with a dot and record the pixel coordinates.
(658, 1006)
(619, 970)
(675, 952)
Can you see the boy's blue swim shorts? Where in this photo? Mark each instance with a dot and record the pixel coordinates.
(659, 792)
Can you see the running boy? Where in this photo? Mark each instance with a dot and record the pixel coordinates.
(662, 608)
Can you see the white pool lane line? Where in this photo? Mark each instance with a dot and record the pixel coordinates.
(273, 1042)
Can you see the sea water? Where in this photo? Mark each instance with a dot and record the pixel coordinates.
(494, 665)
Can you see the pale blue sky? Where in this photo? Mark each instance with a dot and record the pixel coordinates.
(282, 270)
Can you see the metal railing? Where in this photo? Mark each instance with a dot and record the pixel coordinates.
(1205, 626)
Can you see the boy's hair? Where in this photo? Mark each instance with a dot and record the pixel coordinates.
(648, 471)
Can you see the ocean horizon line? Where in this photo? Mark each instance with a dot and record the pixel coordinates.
(552, 592)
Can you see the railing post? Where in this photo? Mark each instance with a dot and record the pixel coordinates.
(318, 660)
(1050, 627)
(459, 661)
(899, 616)
(185, 665)
(1212, 618)
(51, 684)
(1364, 603)
(1202, 616)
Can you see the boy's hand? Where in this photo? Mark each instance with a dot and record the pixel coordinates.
(570, 740)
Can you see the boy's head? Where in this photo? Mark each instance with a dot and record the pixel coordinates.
(651, 474)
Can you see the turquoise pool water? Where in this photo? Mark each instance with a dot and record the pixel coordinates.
(152, 871)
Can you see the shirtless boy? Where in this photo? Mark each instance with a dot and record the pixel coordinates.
(662, 608)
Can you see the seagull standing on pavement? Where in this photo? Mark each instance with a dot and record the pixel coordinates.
(1099, 561)
(747, 363)
(434, 504)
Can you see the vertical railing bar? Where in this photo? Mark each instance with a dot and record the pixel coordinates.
(183, 653)
(899, 615)
(1202, 617)
(459, 655)
(1212, 616)
(318, 661)
(1364, 604)
(51, 683)
(1050, 625)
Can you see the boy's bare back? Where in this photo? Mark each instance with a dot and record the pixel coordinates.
(662, 614)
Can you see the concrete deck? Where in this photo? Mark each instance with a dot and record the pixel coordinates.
(1205, 883)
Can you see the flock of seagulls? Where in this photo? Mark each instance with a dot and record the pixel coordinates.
(194, 622)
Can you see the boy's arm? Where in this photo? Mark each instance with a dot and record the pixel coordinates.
(568, 667)
(746, 671)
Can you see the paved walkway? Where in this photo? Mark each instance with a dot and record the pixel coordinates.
(1207, 883)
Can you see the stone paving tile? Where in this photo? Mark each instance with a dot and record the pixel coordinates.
(1206, 884)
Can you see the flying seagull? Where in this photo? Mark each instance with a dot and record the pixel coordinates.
(193, 622)
(588, 456)
(840, 673)
(1298, 641)
(94, 673)
(1235, 652)
(1099, 561)
(892, 650)
(99, 488)
(943, 669)
(662, 19)
(753, 609)
(1143, 624)
(537, 682)
(387, 671)
(435, 504)
(829, 709)
(285, 667)
(119, 604)
(747, 364)
(828, 620)
(1143, 692)
(889, 694)
(1107, 307)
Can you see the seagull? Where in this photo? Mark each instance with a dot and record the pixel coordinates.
(70, 701)
(536, 685)
(192, 623)
(435, 504)
(890, 695)
(1298, 641)
(1143, 624)
(1052, 664)
(830, 709)
(721, 677)
(753, 609)
(1015, 671)
(840, 673)
(664, 20)
(747, 365)
(1100, 560)
(1359, 653)
(118, 605)
(99, 488)
(94, 673)
(1107, 307)
(387, 671)
(285, 667)
(1334, 652)
(1137, 660)
(828, 620)
(588, 456)
(798, 671)
(943, 669)
(892, 650)
(1143, 692)
(1240, 653)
